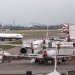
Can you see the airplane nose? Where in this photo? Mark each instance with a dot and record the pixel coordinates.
(21, 36)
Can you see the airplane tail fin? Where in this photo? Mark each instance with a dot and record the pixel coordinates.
(66, 30)
(44, 44)
(45, 53)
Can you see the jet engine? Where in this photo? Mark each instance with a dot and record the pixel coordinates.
(2, 38)
(23, 50)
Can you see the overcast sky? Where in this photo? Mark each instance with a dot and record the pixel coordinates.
(38, 11)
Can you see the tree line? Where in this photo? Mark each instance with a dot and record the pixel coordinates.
(52, 27)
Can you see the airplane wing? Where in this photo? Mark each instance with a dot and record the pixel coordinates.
(58, 39)
(61, 56)
(13, 57)
(30, 57)
(66, 56)
(5, 53)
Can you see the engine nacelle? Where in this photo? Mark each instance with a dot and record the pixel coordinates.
(23, 50)
(2, 38)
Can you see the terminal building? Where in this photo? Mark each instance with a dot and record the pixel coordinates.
(72, 30)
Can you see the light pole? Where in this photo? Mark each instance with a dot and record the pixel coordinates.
(58, 48)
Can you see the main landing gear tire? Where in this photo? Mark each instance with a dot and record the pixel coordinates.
(10, 39)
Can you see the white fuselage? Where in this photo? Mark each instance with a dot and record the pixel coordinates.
(11, 35)
(38, 43)
(48, 54)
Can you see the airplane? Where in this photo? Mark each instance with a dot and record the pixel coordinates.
(31, 44)
(31, 55)
(55, 72)
(40, 58)
(10, 36)
(45, 56)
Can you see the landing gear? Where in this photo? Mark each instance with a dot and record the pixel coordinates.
(40, 61)
(10, 39)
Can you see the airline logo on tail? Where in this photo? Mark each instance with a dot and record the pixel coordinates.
(65, 28)
(44, 44)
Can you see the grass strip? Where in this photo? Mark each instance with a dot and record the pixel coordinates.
(15, 42)
(5, 47)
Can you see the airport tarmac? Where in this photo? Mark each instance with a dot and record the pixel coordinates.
(21, 66)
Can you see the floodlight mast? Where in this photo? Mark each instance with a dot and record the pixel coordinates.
(58, 48)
